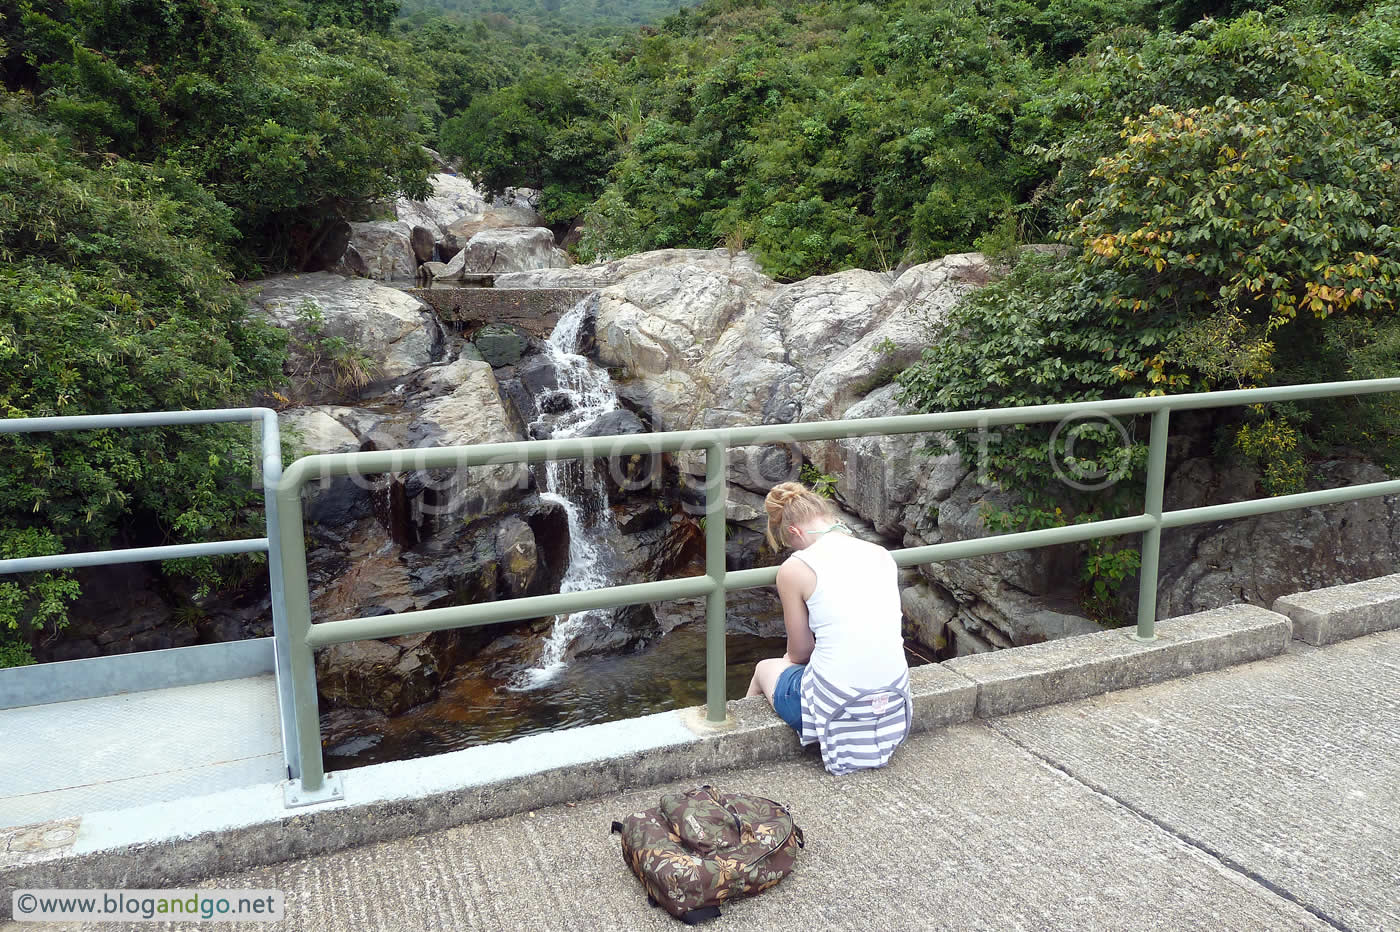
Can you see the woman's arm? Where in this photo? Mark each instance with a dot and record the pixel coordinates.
(795, 582)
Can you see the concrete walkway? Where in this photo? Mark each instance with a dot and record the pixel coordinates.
(112, 752)
(1265, 796)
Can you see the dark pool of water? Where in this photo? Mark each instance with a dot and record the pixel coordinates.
(670, 674)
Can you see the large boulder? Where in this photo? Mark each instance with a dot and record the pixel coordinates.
(514, 208)
(386, 249)
(515, 249)
(908, 316)
(454, 199)
(382, 333)
(473, 413)
(329, 502)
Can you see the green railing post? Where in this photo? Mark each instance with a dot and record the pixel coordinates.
(297, 606)
(716, 500)
(1152, 538)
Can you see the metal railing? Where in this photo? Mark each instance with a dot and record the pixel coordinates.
(271, 544)
(717, 581)
(297, 638)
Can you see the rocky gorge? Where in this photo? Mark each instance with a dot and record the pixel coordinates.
(684, 339)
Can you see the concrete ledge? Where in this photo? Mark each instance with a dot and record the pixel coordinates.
(173, 843)
(176, 842)
(1326, 616)
(534, 310)
(1079, 667)
(64, 681)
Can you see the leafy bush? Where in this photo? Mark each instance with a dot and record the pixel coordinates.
(113, 300)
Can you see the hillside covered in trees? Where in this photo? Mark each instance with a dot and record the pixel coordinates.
(1224, 177)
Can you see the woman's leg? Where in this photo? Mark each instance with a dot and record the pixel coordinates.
(765, 677)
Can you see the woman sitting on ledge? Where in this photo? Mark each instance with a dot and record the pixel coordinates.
(844, 681)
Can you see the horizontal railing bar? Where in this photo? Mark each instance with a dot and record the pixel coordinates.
(484, 613)
(1022, 540)
(1207, 514)
(28, 425)
(69, 561)
(325, 465)
(972, 547)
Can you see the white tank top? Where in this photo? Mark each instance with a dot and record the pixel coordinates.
(854, 612)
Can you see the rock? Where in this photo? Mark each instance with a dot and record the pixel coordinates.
(329, 502)
(473, 413)
(632, 628)
(927, 611)
(431, 270)
(603, 274)
(423, 242)
(910, 316)
(515, 208)
(507, 250)
(1257, 560)
(454, 199)
(615, 423)
(965, 642)
(500, 345)
(519, 559)
(352, 264)
(1050, 572)
(334, 241)
(877, 476)
(388, 676)
(386, 249)
(389, 333)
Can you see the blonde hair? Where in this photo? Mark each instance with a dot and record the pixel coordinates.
(791, 503)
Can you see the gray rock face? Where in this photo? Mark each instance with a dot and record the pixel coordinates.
(1257, 560)
(389, 334)
(386, 249)
(515, 249)
(454, 199)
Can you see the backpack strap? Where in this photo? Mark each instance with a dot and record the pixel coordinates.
(696, 916)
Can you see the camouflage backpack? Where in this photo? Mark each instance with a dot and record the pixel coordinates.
(703, 848)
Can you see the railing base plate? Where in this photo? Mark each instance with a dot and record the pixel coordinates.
(294, 796)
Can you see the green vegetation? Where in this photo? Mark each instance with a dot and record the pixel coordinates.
(113, 298)
(1224, 177)
(151, 151)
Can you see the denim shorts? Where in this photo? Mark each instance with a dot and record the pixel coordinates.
(787, 696)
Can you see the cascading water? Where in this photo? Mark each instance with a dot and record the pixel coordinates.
(584, 394)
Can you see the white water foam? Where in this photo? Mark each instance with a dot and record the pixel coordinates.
(589, 395)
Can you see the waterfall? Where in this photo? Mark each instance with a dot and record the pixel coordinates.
(584, 394)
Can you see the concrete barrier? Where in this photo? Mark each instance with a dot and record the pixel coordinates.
(1326, 616)
(1079, 667)
(534, 310)
(179, 842)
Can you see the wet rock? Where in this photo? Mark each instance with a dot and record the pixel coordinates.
(633, 627)
(388, 676)
(517, 555)
(500, 345)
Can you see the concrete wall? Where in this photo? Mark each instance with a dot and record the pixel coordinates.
(534, 310)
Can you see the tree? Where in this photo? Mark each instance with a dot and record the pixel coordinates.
(113, 299)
